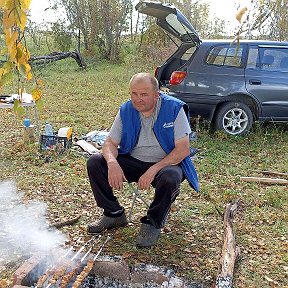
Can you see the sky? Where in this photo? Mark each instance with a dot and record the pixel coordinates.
(225, 9)
(39, 14)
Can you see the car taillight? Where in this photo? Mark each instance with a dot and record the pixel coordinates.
(156, 71)
(177, 77)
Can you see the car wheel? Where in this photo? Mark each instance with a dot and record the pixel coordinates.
(234, 118)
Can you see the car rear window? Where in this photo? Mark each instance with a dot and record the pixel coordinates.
(188, 53)
(225, 55)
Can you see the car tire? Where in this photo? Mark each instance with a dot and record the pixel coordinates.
(235, 118)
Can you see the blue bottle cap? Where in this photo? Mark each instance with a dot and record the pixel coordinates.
(26, 122)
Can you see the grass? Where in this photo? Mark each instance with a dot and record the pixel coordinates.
(192, 239)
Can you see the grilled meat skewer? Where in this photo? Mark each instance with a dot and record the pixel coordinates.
(84, 273)
(51, 270)
(43, 278)
(68, 276)
(58, 274)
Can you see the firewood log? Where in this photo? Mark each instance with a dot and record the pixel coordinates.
(265, 180)
(230, 251)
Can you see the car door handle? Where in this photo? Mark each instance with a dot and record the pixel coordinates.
(254, 82)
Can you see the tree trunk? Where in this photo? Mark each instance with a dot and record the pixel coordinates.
(79, 40)
(136, 26)
(55, 56)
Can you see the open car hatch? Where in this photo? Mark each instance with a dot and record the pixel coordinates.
(171, 20)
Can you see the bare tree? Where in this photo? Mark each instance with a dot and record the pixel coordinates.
(101, 23)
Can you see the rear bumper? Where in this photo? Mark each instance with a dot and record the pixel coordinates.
(202, 105)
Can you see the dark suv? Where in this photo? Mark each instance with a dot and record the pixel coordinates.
(230, 84)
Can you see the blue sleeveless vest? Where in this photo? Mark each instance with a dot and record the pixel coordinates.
(163, 129)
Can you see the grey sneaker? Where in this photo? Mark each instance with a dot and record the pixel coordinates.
(147, 236)
(106, 222)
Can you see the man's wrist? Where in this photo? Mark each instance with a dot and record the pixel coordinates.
(111, 162)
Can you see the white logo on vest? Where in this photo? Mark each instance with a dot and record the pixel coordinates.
(168, 125)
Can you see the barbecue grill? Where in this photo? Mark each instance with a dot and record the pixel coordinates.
(86, 269)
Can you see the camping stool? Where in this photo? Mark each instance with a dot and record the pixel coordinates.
(136, 194)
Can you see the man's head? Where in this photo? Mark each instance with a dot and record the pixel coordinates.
(144, 91)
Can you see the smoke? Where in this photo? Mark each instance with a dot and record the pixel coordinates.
(23, 227)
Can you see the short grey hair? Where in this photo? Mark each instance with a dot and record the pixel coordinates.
(142, 76)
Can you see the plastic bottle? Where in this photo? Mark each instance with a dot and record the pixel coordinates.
(48, 129)
(48, 139)
(28, 134)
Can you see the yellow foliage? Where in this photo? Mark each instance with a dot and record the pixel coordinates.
(8, 20)
(26, 51)
(27, 68)
(11, 42)
(40, 82)
(240, 13)
(15, 13)
(36, 94)
(14, 22)
(29, 76)
(26, 4)
(22, 20)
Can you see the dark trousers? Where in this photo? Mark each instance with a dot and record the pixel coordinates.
(166, 184)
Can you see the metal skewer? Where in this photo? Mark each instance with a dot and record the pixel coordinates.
(78, 252)
(101, 247)
(71, 248)
(92, 246)
(83, 247)
(86, 270)
(67, 252)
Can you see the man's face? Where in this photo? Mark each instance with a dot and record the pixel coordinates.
(143, 96)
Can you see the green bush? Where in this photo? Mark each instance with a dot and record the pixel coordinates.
(62, 36)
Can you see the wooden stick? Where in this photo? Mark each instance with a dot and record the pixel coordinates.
(265, 180)
(273, 173)
(230, 251)
(64, 223)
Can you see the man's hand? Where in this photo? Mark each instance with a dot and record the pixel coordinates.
(181, 150)
(146, 179)
(115, 175)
